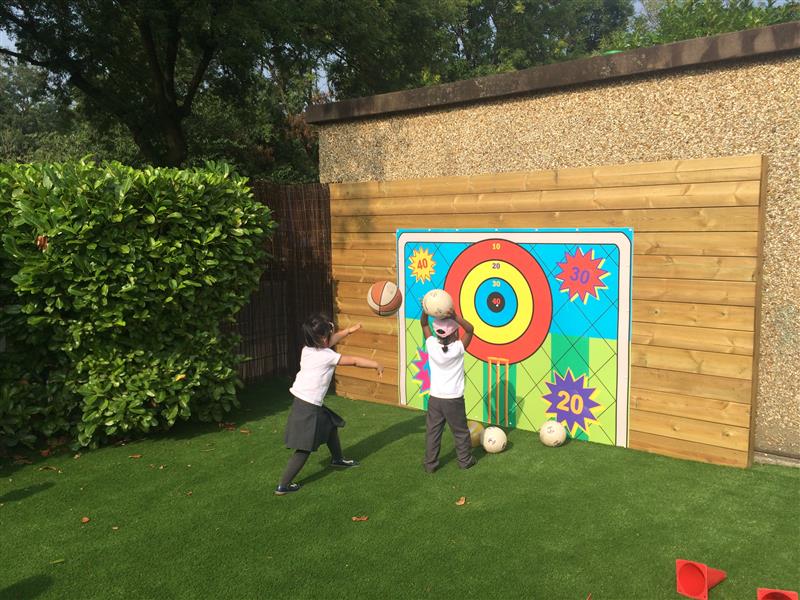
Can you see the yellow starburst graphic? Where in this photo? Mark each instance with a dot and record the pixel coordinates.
(422, 264)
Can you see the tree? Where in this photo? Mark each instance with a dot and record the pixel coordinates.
(674, 20)
(142, 63)
(504, 35)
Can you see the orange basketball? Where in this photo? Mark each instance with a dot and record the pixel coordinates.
(384, 298)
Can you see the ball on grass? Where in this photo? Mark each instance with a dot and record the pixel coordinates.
(475, 433)
(552, 433)
(494, 440)
(437, 303)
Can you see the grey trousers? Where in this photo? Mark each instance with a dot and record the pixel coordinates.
(452, 412)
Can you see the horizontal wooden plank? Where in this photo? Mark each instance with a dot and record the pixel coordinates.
(733, 293)
(354, 307)
(692, 407)
(707, 243)
(363, 241)
(689, 244)
(364, 258)
(386, 357)
(724, 268)
(366, 339)
(684, 313)
(349, 289)
(379, 325)
(654, 173)
(692, 361)
(727, 268)
(693, 384)
(389, 376)
(734, 193)
(675, 448)
(727, 341)
(691, 430)
(358, 389)
(666, 219)
(363, 274)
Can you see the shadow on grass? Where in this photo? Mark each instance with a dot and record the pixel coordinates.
(257, 401)
(30, 587)
(363, 448)
(25, 492)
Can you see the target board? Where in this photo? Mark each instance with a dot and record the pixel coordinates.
(551, 312)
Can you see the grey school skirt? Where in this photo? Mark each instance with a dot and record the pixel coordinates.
(309, 426)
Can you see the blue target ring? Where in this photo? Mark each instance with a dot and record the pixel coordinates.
(496, 304)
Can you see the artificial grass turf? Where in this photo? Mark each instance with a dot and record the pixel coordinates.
(538, 522)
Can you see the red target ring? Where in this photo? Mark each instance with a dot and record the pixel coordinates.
(515, 257)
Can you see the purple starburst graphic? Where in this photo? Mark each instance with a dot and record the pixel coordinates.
(423, 374)
(571, 401)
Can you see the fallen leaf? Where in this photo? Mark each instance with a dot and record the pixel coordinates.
(228, 426)
(115, 528)
(48, 468)
(244, 430)
(85, 519)
(57, 561)
(189, 493)
(22, 460)
(77, 456)
(461, 501)
(135, 456)
(45, 453)
(360, 518)
(161, 467)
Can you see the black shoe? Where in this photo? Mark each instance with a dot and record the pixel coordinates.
(344, 463)
(471, 463)
(286, 489)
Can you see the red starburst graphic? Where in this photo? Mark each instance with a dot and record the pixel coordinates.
(581, 275)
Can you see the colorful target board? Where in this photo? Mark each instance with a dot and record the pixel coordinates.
(551, 310)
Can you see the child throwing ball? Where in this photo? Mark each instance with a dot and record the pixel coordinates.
(310, 423)
(446, 400)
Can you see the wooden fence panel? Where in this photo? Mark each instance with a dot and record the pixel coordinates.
(697, 260)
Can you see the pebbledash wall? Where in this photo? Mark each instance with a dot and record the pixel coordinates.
(729, 95)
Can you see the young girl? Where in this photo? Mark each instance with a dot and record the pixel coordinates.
(446, 400)
(311, 424)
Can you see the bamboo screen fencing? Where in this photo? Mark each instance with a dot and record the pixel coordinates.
(697, 234)
(295, 283)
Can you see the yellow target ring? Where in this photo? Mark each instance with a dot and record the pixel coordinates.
(497, 269)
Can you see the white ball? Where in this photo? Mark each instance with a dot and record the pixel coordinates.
(494, 440)
(552, 433)
(437, 303)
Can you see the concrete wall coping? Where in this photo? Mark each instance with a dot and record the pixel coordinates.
(784, 37)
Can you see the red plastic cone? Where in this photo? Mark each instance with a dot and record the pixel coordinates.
(767, 594)
(694, 579)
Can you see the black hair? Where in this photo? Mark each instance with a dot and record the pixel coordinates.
(316, 330)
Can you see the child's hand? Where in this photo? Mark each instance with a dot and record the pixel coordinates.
(353, 328)
(379, 369)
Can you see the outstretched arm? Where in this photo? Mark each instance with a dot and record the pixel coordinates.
(358, 361)
(426, 329)
(467, 327)
(340, 335)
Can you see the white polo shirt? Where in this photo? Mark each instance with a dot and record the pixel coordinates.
(316, 370)
(447, 368)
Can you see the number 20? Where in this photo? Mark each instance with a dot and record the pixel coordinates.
(575, 402)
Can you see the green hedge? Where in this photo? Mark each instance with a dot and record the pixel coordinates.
(115, 288)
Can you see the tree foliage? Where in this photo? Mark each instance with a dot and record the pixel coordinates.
(141, 63)
(668, 21)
